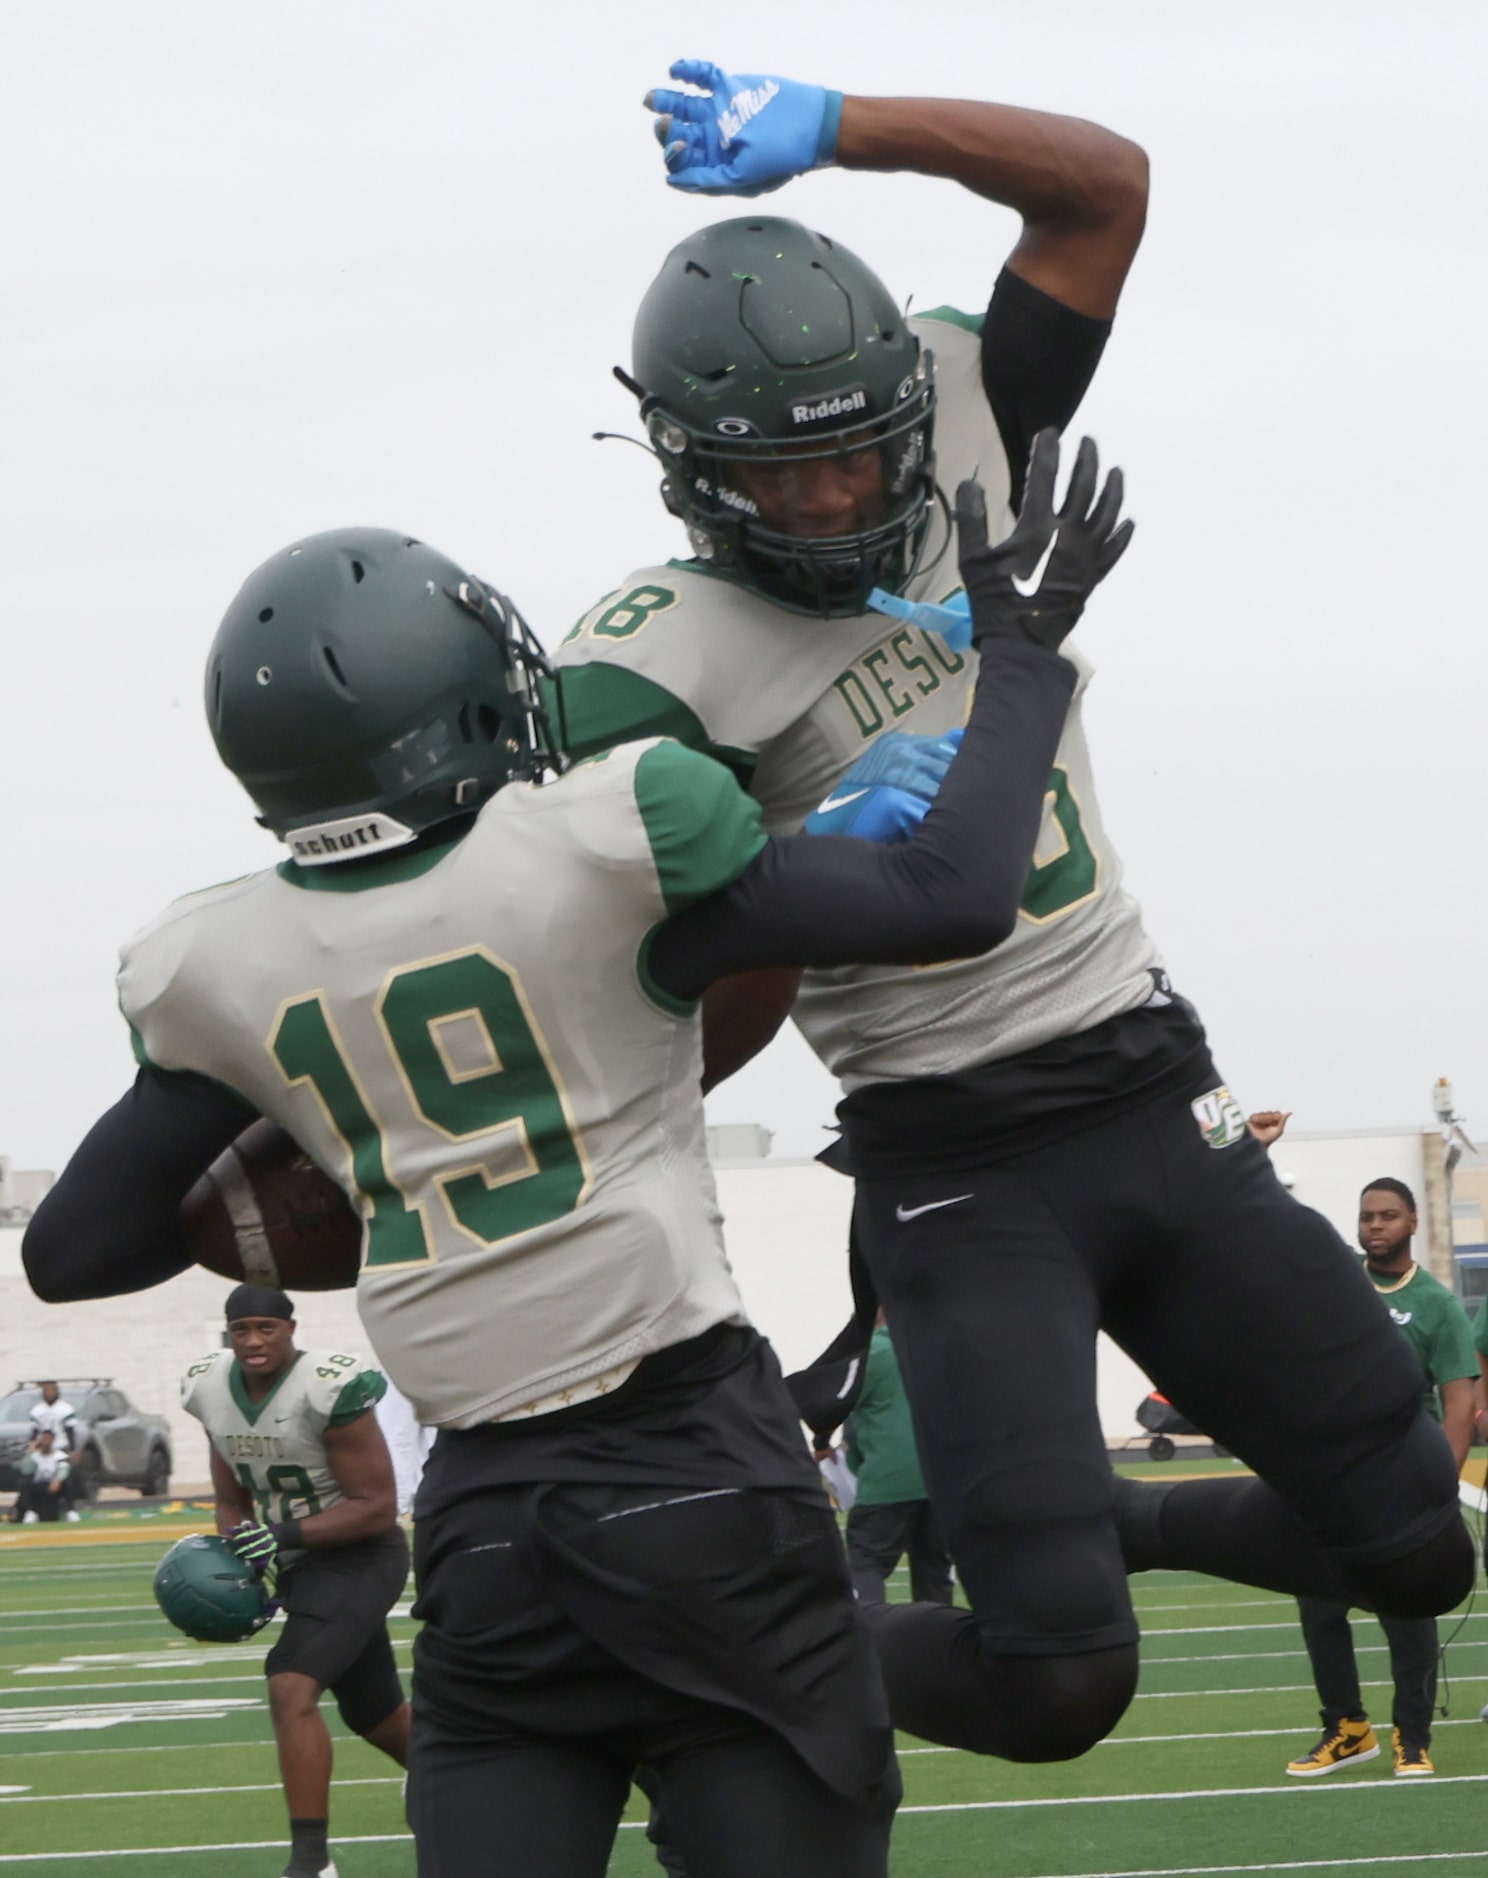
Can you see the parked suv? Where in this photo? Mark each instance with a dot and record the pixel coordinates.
(115, 1444)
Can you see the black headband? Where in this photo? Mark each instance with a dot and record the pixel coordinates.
(257, 1301)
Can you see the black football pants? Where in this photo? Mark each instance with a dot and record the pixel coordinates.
(1246, 1310)
(573, 1634)
(879, 1536)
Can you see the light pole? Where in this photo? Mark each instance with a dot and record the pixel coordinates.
(1454, 1139)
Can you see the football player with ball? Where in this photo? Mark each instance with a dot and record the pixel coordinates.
(471, 995)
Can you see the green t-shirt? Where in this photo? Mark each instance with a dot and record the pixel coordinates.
(881, 1450)
(1434, 1325)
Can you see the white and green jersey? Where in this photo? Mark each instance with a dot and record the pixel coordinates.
(794, 701)
(467, 1039)
(276, 1446)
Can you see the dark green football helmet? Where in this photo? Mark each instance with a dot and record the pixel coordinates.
(364, 689)
(763, 344)
(205, 1589)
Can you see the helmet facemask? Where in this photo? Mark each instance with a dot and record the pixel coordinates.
(829, 576)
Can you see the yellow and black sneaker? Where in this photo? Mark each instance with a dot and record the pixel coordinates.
(1344, 1746)
(1411, 1762)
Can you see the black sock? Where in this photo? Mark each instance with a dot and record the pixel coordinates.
(308, 1850)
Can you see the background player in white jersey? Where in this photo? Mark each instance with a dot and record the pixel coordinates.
(1041, 1142)
(52, 1410)
(304, 1493)
(473, 1000)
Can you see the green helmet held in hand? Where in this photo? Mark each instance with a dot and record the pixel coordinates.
(364, 689)
(778, 379)
(205, 1589)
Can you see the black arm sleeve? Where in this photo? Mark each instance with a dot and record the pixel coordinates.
(952, 892)
(112, 1222)
(1038, 358)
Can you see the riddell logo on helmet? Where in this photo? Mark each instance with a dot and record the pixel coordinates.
(838, 404)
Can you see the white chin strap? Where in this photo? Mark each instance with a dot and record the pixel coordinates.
(323, 842)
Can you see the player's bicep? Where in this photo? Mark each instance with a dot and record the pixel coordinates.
(358, 1458)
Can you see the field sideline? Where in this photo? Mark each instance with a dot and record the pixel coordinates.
(125, 1749)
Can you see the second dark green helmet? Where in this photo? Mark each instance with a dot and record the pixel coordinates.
(205, 1589)
(364, 689)
(761, 343)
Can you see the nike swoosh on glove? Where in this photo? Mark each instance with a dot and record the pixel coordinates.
(747, 135)
(886, 794)
(1038, 579)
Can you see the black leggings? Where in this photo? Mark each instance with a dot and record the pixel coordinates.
(738, 1803)
(1247, 1311)
(575, 1633)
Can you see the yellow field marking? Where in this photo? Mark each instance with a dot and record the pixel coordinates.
(143, 1534)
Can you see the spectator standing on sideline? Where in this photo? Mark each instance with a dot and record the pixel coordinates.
(44, 1472)
(891, 1515)
(57, 1414)
(1435, 1325)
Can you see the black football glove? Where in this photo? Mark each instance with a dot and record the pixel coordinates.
(1087, 544)
(256, 1546)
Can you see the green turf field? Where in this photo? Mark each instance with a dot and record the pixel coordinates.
(126, 1750)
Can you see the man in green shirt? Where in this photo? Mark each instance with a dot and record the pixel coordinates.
(1435, 1325)
(891, 1515)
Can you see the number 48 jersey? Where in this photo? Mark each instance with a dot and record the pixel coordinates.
(466, 1038)
(793, 702)
(276, 1446)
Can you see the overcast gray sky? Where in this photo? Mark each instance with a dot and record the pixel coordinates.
(275, 269)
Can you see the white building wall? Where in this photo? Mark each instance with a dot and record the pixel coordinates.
(786, 1227)
(145, 1341)
(785, 1224)
(1329, 1172)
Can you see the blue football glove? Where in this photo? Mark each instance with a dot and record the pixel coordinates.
(255, 1545)
(750, 133)
(952, 621)
(886, 794)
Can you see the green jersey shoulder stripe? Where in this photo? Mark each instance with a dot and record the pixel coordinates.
(702, 828)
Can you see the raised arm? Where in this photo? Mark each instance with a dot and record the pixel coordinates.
(1081, 190)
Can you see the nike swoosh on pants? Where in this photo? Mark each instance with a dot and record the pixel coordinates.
(840, 802)
(903, 1213)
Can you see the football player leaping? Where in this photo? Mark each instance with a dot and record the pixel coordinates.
(1042, 1144)
(305, 1494)
(473, 1000)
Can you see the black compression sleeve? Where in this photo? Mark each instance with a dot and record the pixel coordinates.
(1038, 358)
(112, 1222)
(951, 892)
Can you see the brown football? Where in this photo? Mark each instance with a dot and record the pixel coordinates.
(265, 1212)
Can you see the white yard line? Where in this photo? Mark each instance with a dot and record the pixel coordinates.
(1202, 1793)
(20, 1798)
(1268, 1656)
(1222, 1630)
(1298, 1864)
